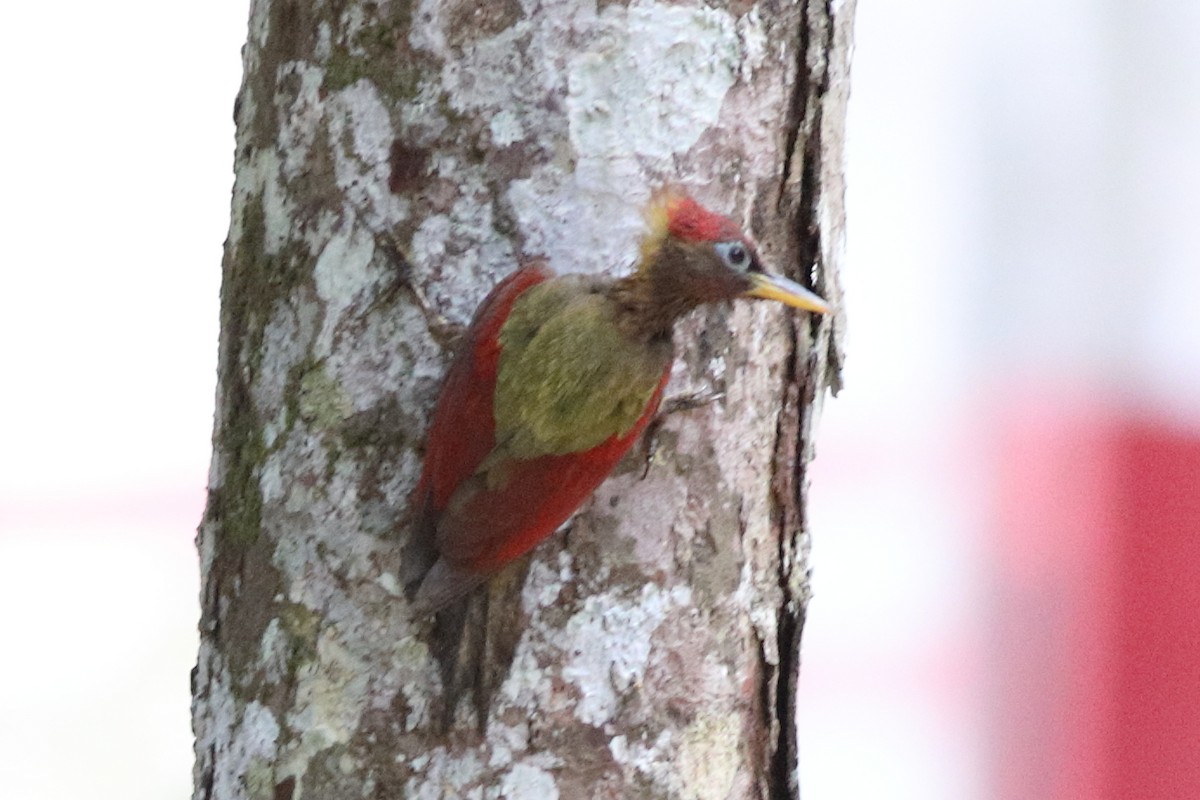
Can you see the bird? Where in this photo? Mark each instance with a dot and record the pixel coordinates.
(553, 382)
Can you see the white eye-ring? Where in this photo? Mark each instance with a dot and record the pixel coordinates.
(735, 254)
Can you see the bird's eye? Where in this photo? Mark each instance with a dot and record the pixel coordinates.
(734, 254)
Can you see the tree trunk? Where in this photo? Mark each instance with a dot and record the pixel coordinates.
(394, 161)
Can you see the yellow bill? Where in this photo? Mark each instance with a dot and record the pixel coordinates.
(776, 287)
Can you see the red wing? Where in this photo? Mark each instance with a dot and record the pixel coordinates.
(482, 530)
(463, 429)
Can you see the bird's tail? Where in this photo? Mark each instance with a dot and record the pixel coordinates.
(442, 584)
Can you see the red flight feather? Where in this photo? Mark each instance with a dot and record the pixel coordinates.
(463, 430)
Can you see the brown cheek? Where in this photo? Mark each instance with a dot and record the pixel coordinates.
(730, 284)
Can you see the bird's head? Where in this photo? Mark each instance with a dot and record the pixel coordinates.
(697, 256)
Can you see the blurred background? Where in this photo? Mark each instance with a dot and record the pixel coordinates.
(1006, 500)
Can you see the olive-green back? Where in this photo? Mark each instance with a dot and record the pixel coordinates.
(568, 377)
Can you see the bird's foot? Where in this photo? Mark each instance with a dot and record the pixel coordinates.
(673, 405)
(446, 332)
(689, 401)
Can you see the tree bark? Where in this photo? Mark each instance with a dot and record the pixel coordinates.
(394, 161)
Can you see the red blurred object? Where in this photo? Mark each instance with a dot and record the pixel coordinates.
(1098, 615)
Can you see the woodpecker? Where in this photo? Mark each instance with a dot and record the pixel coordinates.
(556, 378)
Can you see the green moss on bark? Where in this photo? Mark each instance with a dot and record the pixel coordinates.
(380, 53)
(254, 281)
(301, 626)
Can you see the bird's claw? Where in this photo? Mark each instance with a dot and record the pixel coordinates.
(673, 405)
(689, 402)
(445, 331)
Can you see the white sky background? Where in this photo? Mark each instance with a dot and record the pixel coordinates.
(117, 162)
(117, 157)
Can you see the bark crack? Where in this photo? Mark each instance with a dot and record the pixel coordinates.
(803, 142)
(797, 108)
